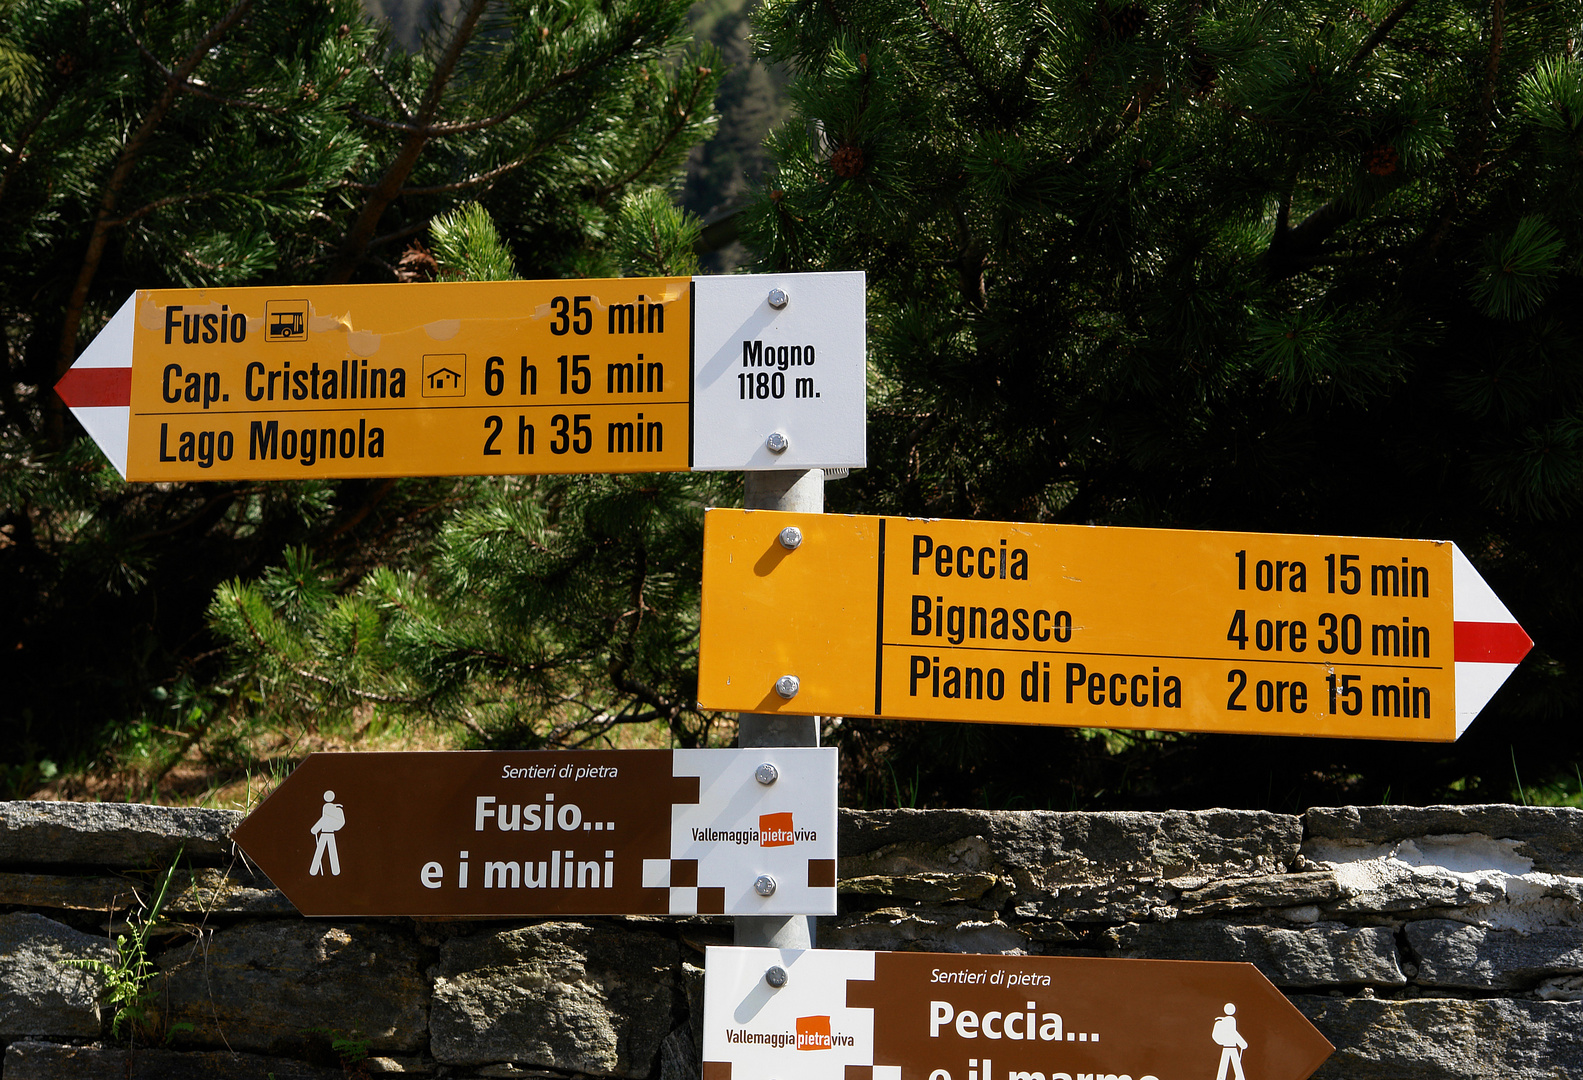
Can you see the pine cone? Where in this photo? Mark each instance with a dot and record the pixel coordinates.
(416, 264)
(1381, 161)
(847, 161)
(1128, 20)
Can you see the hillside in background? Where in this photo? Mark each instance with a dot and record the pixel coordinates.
(408, 18)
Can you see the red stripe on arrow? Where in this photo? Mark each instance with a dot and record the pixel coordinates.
(86, 388)
(1491, 642)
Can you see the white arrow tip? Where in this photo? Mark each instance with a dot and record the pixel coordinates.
(1489, 643)
(103, 405)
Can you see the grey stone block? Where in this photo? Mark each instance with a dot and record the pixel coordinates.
(51, 1061)
(60, 892)
(679, 1056)
(212, 891)
(693, 987)
(112, 834)
(1386, 886)
(925, 887)
(1081, 866)
(1454, 954)
(39, 994)
(1327, 954)
(1271, 891)
(264, 987)
(1565, 988)
(565, 996)
(920, 929)
(1447, 1038)
(1550, 836)
(201, 892)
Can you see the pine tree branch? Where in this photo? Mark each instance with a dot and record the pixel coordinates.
(954, 43)
(634, 718)
(422, 128)
(1283, 211)
(10, 407)
(353, 520)
(160, 204)
(1104, 140)
(1492, 65)
(604, 717)
(1379, 34)
(205, 511)
(643, 692)
(379, 77)
(418, 134)
(1294, 249)
(429, 130)
(459, 185)
(126, 163)
(366, 695)
(1300, 243)
(402, 233)
(558, 732)
(1471, 168)
(25, 136)
(659, 149)
(970, 263)
(1030, 56)
(188, 84)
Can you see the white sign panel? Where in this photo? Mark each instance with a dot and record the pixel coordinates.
(779, 372)
(762, 847)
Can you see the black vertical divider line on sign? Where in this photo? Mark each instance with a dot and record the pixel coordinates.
(879, 628)
(692, 369)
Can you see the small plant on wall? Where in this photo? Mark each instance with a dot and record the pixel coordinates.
(128, 989)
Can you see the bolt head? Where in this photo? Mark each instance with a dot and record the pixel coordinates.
(777, 442)
(764, 885)
(791, 538)
(787, 686)
(778, 298)
(766, 774)
(776, 976)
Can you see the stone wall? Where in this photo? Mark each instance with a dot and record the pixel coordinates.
(1437, 942)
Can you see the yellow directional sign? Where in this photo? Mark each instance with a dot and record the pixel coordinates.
(1098, 627)
(367, 380)
(741, 372)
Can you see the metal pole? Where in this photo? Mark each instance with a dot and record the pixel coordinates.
(793, 492)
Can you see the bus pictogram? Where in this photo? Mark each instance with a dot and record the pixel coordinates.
(286, 320)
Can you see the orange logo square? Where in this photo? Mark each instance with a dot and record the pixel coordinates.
(775, 830)
(813, 1032)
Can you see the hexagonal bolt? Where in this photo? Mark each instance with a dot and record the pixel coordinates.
(787, 686)
(791, 538)
(764, 885)
(776, 976)
(766, 774)
(778, 299)
(777, 442)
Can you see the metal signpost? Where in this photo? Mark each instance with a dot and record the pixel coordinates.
(1099, 627)
(854, 1015)
(785, 492)
(551, 832)
(617, 375)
